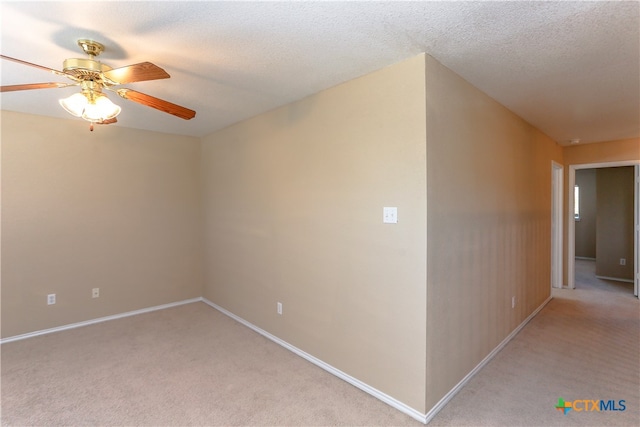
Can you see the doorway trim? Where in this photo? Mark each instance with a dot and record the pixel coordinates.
(557, 183)
(636, 280)
(571, 225)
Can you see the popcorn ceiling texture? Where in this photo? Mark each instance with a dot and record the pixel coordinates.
(569, 68)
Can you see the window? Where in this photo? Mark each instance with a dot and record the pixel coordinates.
(576, 203)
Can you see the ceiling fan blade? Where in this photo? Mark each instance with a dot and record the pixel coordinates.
(107, 122)
(157, 103)
(19, 61)
(30, 86)
(136, 73)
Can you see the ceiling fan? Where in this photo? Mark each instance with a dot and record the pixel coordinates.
(94, 77)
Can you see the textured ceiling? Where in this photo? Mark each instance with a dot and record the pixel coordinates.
(572, 69)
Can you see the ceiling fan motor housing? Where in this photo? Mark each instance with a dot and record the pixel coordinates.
(84, 69)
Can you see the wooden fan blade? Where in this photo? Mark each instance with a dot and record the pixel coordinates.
(19, 61)
(107, 122)
(136, 73)
(30, 86)
(157, 103)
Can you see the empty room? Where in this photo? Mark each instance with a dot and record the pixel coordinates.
(320, 213)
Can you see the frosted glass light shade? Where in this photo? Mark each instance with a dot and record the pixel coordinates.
(99, 109)
(74, 104)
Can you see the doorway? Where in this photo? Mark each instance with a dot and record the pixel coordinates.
(571, 239)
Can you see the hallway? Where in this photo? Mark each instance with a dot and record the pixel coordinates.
(584, 345)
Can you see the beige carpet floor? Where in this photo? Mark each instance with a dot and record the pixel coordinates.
(191, 365)
(188, 365)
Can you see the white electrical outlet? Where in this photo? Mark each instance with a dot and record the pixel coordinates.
(390, 215)
(623, 261)
(279, 308)
(513, 302)
(95, 293)
(51, 299)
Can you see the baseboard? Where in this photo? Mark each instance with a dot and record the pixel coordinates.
(332, 370)
(447, 397)
(617, 279)
(98, 320)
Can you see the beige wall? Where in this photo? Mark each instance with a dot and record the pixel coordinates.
(615, 222)
(293, 201)
(116, 208)
(601, 152)
(293, 207)
(586, 226)
(489, 215)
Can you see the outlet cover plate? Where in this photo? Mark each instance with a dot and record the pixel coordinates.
(390, 215)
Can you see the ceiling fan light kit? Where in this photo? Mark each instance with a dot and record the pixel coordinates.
(95, 108)
(93, 77)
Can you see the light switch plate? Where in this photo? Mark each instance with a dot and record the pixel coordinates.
(390, 215)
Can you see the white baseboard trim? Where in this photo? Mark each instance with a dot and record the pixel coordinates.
(332, 370)
(617, 279)
(447, 397)
(98, 320)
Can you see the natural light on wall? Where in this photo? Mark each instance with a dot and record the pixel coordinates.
(576, 203)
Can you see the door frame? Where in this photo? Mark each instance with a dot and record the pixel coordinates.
(557, 203)
(571, 225)
(636, 241)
